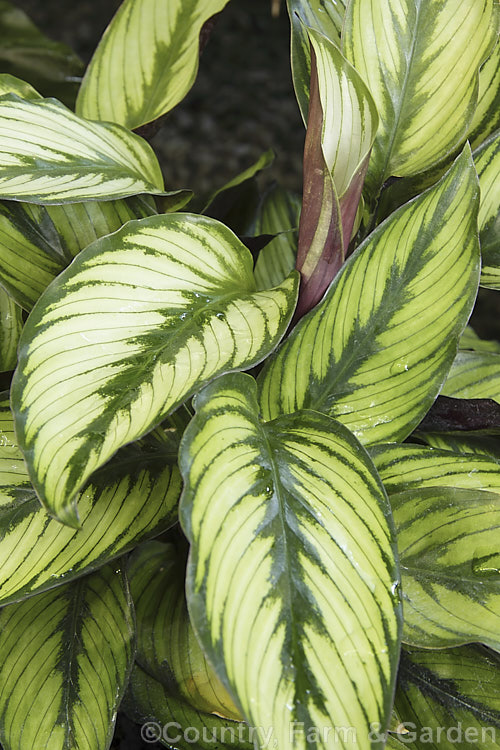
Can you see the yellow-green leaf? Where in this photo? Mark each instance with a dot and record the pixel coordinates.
(420, 60)
(133, 498)
(487, 160)
(487, 115)
(50, 155)
(474, 375)
(11, 323)
(278, 213)
(146, 61)
(138, 322)
(376, 350)
(291, 575)
(65, 658)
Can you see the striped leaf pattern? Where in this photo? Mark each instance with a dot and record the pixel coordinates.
(420, 60)
(279, 214)
(291, 572)
(133, 498)
(176, 724)
(487, 160)
(412, 467)
(474, 375)
(138, 322)
(167, 647)
(375, 352)
(65, 657)
(38, 242)
(449, 699)
(50, 155)
(146, 61)
(486, 445)
(325, 16)
(11, 323)
(450, 565)
(470, 340)
(487, 115)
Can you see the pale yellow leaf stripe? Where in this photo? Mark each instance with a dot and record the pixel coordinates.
(146, 61)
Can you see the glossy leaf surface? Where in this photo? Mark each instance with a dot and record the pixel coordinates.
(172, 305)
(291, 555)
(65, 659)
(376, 350)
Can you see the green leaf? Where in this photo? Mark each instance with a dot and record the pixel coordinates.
(49, 155)
(51, 67)
(38, 242)
(487, 160)
(133, 498)
(176, 724)
(414, 467)
(291, 571)
(325, 17)
(167, 647)
(132, 89)
(65, 658)
(487, 115)
(449, 700)
(12, 85)
(486, 445)
(172, 305)
(420, 60)
(376, 351)
(278, 213)
(450, 565)
(470, 340)
(340, 131)
(11, 323)
(222, 197)
(474, 375)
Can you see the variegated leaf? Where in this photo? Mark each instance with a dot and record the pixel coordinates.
(450, 565)
(420, 60)
(49, 155)
(449, 699)
(487, 160)
(474, 375)
(167, 647)
(278, 213)
(170, 720)
(325, 16)
(485, 445)
(407, 467)
(470, 340)
(375, 352)
(133, 498)
(146, 61)
(11, 323)
(291, 574)
(138, 322)
(38, 242)
(487, 115)
(65, 658)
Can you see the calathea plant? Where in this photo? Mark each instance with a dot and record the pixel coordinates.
(254, 504)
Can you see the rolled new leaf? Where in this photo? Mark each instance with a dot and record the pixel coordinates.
(375, 352)
(132, 499)
(167, 647)
(138, 322)
(448, 699)
(146, 61)
(421, 63)
(168, 718)
(291, 572)
(65, 658)
(341, 127)
(450, 565)
(50, 155)
(38, 242)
